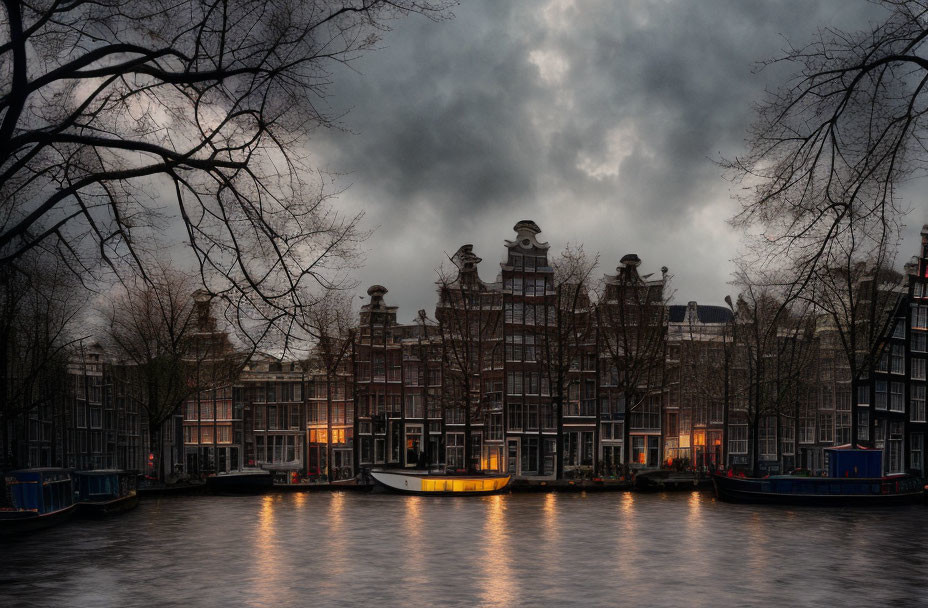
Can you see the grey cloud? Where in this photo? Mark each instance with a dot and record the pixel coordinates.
(457, 135)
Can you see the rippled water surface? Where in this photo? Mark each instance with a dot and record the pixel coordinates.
(542, 549)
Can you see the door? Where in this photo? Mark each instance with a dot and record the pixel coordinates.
(512, 450)
(653, 450)
(414, 455)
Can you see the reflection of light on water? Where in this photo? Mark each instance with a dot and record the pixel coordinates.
(695, 505)
(695, 527)
(628, 502)
(299, 500)
(412, 532)
(628, 556)
(267, 585)
(550, 510)
(335, 548)
(498, 581)
(758, 552)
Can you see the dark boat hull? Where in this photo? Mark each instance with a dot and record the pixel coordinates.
(108, 507)
(14, 523)
(820, 491)
(240, 484)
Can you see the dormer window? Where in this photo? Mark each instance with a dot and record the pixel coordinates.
(517, 261)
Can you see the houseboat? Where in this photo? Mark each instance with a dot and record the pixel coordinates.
(854, 478)
(433, 484)
(36, 499)
(246, 481)
(105, 492)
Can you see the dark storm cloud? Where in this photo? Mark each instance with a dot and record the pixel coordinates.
(598, 120)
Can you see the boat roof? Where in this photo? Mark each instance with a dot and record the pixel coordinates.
(848, 447)
(41, 470)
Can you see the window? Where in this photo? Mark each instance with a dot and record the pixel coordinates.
(916, 450)
(515, 416)
(513, 348)
(883, 364)
(738, 439)
(863, 425)
(826, 428)
(96, 418)
(917, 401)
(294, 417)
(896, 403)
(787, 438)
(768, 438)
(863, 394)
(454, 450)
(899, 329)
(413, 405)
(531, 383)
(898, 359)
(919, 342)
(880, 386)
(919, 316)
(494, 430)
(918, 368)
(531, 416)
(514, 383)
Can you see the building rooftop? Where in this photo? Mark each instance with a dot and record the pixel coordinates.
(704, 314)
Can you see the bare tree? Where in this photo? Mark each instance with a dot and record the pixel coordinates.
(166, 341)
(117, 117)
(569, 334)
(38, 313)
(855, 299)
(468, 313)
(632, 317)
(332, 328)
(773, 349)
(829, 147)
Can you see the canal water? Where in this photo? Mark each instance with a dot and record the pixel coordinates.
(343, 549)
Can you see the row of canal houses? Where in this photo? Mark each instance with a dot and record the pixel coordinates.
(524, 375)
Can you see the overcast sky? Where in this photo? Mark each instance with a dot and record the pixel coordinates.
(598, 120)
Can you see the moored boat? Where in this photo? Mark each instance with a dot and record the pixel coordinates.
(431, 484)
(246, 481)
(854, 478)
(105, 492)
(36, 499)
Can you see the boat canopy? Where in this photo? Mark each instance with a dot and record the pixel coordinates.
(845, 461)
(40, 490)
(98, 485)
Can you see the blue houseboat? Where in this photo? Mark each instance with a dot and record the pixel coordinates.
(854, 478)
(35, 499)
(105, 492)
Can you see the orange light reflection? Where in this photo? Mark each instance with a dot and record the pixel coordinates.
(499, 584)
